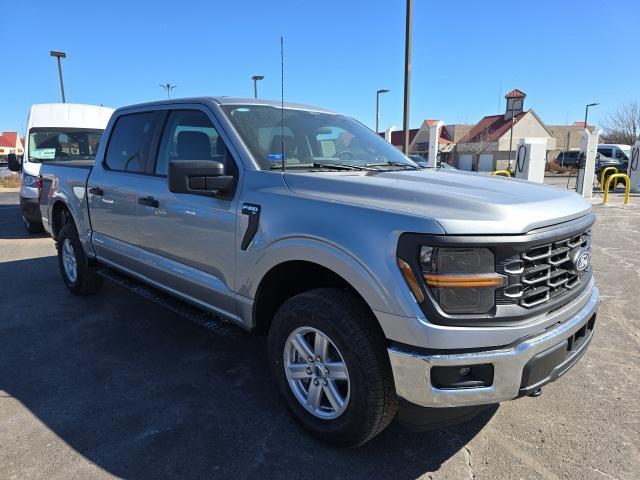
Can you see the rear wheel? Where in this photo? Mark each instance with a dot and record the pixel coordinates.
(330, 362)
(80, 274)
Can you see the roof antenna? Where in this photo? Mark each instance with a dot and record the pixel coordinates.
(282, 102)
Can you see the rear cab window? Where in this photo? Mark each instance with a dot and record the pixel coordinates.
(129, 142)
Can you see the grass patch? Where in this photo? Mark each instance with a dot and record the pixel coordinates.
(11, 181)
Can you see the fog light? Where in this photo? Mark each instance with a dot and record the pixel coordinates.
(468, 376)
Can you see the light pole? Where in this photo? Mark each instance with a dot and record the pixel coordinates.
(58, 56)
(586, 113)
(168, 87)
(255, 79)
(378, 93)
(407, 74)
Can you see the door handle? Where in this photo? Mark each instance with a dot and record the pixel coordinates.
(149, 202)
(96, 191)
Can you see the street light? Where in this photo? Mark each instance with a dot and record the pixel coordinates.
(586, 112)
(378, 93)
(168, 87)
(407, 74)
(255, 79)
(59, 55)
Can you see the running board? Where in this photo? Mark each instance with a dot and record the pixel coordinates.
(203, 318)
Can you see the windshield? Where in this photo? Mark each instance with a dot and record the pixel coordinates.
(53, 144)
(311, 140)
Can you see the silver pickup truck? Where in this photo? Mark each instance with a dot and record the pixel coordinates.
(384, 288)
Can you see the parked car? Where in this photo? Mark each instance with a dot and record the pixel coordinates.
(60, 132)
(569, 158)
(422, 162)
(382, 287)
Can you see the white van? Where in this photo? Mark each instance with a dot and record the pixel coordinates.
(56, 132)
(615, 151)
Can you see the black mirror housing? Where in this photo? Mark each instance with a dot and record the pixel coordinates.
(198, 177)
(13, 163)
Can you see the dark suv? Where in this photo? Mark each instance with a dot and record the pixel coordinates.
(568, 158)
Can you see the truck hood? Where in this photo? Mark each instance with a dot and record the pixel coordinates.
(461, 202)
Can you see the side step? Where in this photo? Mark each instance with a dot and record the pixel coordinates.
(205, 319)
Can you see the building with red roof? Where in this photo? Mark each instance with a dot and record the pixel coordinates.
(10, 143)
(492, 141)
(486, 145)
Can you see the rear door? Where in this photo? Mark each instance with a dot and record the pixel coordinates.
(188, 241)
(112, 189)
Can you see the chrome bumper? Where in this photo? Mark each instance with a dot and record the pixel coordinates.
(412, 376)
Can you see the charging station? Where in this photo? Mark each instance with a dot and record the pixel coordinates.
(634, 168)
(588, 147)
(432, 160)
(531, 157)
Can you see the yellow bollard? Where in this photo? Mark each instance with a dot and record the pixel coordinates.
(501, 173)
(603, 174)
(627, 187)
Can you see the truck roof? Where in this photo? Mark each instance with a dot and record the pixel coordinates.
(230, 101)
(65, 115)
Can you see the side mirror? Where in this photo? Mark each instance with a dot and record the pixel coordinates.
(14, 164)
(198, 177)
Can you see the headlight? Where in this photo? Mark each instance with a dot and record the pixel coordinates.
(29, 180)
(462, 280)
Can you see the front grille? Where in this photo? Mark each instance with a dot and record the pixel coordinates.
(545, 272)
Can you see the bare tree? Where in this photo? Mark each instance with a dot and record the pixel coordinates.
(477, 144)
(623, 124)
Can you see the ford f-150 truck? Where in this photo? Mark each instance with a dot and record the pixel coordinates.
(383, 288)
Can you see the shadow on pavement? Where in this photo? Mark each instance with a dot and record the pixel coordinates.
(11, 226)
(143, 393)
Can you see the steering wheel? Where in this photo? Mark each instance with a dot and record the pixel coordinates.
(344, 155)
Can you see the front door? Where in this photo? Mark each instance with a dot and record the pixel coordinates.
(188, 241)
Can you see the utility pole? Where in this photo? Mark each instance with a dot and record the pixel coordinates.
(58, 56)
(378, 93)
(168, 87)
(255, 79)
(407, 74)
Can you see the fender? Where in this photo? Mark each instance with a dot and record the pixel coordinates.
(378, 296)
(77, 210)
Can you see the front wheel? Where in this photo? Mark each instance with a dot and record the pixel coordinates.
(79, 273)
(330, 362)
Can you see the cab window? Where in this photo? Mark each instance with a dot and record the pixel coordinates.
(129, 141)
(189, 135)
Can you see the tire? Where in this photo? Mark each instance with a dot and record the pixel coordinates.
(369, 397)
(80, 274)
(32, 227)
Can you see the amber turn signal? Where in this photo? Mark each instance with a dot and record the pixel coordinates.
(481, 280)
(411, 280)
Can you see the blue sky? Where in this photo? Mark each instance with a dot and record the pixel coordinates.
(563, 54)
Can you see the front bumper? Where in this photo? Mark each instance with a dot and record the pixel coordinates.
(518, 369)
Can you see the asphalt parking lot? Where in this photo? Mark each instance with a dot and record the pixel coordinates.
(114, 386)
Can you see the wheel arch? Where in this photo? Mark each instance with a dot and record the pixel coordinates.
(61, 214)
(297, 266)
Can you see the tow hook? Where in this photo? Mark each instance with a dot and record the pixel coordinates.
(536, 393)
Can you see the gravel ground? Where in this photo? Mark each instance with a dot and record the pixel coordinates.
(114, 386)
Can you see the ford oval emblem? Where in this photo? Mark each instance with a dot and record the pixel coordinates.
(583, 261)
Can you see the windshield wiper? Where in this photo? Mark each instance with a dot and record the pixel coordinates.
(392, 163)
(340, 166)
